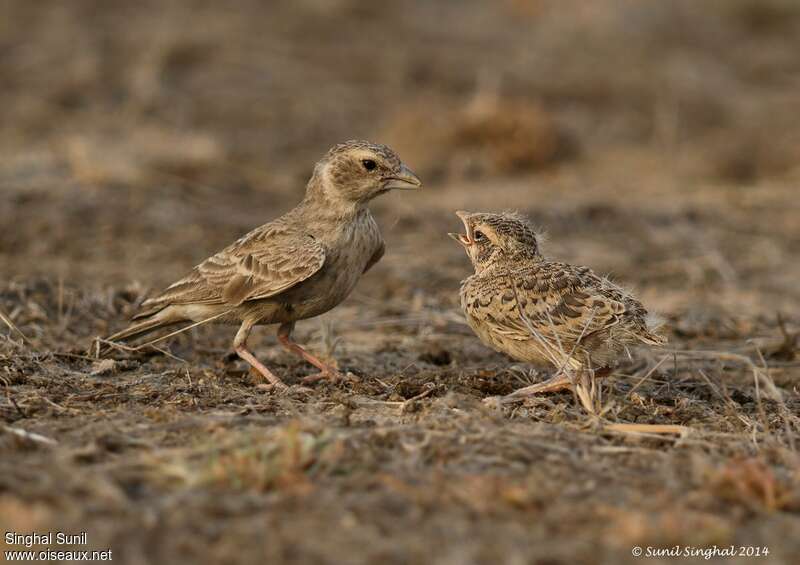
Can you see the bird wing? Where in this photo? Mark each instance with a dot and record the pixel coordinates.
(263, 263)
(558, 304)
(375, 257)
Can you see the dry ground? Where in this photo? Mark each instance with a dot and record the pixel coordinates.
(658, 143)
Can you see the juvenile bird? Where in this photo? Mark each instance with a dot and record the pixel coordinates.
(295, 267)
(544, 312)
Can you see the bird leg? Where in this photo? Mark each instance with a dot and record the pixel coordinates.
(559, 382)
(240, 347)
(326, 371)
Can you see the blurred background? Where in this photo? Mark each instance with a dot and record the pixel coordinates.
(656, 140)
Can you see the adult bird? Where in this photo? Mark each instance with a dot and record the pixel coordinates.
(295, 267)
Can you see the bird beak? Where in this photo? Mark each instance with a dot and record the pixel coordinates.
(463, 239)
(403, 179)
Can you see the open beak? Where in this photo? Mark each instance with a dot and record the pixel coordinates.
(404, 179)
(463, 239)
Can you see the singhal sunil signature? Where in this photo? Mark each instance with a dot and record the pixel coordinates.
(49, 538)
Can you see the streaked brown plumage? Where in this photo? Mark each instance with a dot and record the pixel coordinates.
(295, 267)
(540, 311)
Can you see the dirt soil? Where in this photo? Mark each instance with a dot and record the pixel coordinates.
(655, 142)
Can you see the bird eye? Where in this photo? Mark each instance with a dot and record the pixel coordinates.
(479, 236)
(369, 164)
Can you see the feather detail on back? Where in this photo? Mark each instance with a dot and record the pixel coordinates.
(553, 310)
(265, 262)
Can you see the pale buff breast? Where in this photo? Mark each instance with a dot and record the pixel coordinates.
(524, 350)
(348, 251)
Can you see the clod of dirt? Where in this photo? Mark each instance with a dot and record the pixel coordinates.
(436, 355)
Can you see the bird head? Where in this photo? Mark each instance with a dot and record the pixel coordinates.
(490, 238)
(358, 171)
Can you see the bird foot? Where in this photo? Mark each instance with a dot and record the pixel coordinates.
(259, 368)
(555, 384)
(331, 375)
(269, 381)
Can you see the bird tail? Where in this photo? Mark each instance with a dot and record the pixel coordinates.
(158, 320)
(142, 328)
(154, 322)
(653, 325)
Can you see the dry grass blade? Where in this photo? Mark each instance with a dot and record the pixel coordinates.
(7, 321)
(646, 376)
(649, 429)
(759, 373)
(587, 392)
(29, 436)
